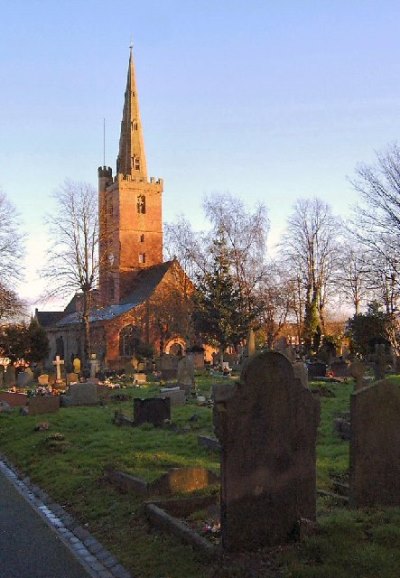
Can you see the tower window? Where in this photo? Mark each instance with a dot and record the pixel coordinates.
(142, 238)
(142, 258)
(136, 163)
(141, 204)
(134, 125)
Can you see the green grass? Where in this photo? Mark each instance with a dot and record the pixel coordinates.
(348, 543)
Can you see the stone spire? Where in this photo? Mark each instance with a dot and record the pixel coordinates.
(131, 158)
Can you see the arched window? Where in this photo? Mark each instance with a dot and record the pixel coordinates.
(129, 339)
(142, 238)
(141, 204)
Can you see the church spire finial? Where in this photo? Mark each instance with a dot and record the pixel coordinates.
(131, 158)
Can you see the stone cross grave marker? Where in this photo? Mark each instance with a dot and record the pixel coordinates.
(375, 446)
(267, 426)
(58, 363)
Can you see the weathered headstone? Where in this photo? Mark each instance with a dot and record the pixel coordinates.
(185, 375)
(152, 410)
(14, 399)
(2, 370)
(375, 446)
(301, 372)
(94, 366)
(267, 428)
(72, 378)
(139, 378)
(25, 378)
(380, 361)
(76, 364)
(340, 368)
(81, 394)
(175, 394)
(168, 365)
(9, 376)
(357, 370)
(198, 359)
(43, 404)
(316, 369)
(43, 379)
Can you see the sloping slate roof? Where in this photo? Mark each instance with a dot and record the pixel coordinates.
(48, 318)
(146, 282)
(143, 287)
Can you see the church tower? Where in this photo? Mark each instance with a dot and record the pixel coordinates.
(130, 207)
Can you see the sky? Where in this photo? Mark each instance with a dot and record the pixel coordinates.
(269, 101)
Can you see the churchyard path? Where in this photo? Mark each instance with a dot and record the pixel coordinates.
(35, 542)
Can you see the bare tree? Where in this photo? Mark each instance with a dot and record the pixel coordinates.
(246, 235)
(11, 253)
(73, 264)
(376, 225)
(352, 274)
(277, 294)
(310, 247)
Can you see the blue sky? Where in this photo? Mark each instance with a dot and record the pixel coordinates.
(268, 100)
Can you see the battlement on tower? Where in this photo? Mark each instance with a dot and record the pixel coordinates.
(104, 172)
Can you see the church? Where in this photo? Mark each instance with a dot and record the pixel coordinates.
(142, 303)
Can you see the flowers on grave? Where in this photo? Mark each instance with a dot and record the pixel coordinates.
(40, 390)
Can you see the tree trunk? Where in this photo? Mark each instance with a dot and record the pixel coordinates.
(86, 326)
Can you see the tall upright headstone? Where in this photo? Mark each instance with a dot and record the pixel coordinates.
(375, 445)
(267, 426)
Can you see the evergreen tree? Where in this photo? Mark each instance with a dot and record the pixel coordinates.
(38, 343)
(220, 316)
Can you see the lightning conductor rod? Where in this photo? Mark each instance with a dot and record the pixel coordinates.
(104, 142)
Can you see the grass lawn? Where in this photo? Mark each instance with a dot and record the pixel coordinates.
(348, 543)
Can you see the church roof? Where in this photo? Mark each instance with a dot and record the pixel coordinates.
(48, 318)
(143, 287)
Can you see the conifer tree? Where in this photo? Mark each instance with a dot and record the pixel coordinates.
(219, 313)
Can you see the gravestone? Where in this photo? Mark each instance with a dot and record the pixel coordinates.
(139, 378)
(380, 361)
(58, 362)
(301, 372)
(43, 404)
(175, 394)
(267, 426)
(81, 394)
(375, 446)
(198, 359)
(43, 379)
(72, 378)
(316, 369)
(25, 378)
(169, 366)
(76, 364)
(9, 376)
(357, 370)
(94, 365)
(14, 399)
(340, 368)
(154, 410)
(283, 347)
(129, 370)
(2, 370)
(185, 375)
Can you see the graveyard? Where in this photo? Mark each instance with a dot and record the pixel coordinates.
(145, 490)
